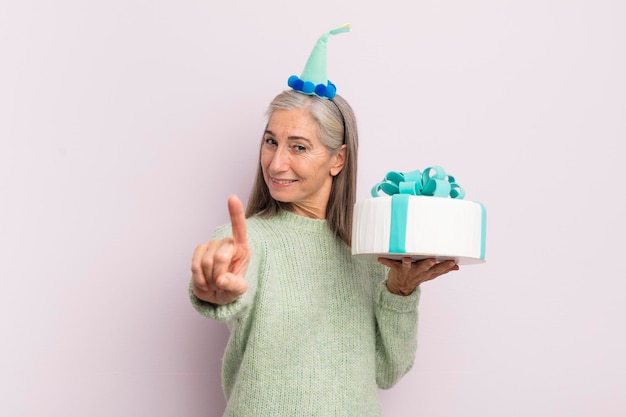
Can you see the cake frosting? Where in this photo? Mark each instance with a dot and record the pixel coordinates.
(421, 215)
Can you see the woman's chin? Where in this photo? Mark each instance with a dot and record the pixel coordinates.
(280, 197)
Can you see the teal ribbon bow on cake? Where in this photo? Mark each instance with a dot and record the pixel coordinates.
(433, 181)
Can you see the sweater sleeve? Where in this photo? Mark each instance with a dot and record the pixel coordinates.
(396, 335)
(238, 307)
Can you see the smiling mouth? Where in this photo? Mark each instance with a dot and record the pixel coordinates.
(282, 182)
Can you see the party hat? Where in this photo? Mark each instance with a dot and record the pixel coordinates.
(313, 79)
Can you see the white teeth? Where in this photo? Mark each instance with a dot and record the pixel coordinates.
(282, 181)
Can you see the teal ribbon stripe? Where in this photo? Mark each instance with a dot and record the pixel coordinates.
(483, 230)
(433, 181)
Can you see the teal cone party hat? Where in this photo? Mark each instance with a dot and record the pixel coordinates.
(313, 80)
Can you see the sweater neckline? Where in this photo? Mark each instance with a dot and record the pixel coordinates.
(303, 222)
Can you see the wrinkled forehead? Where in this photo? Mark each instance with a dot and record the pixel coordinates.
(293, 122)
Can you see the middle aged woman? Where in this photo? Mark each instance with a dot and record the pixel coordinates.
(314, 331)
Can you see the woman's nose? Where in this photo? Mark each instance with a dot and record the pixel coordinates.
(280, 159)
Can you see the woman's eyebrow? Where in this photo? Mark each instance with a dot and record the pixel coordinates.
(294, 137)
(300, 138)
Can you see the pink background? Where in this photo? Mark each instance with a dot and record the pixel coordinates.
(124, 125)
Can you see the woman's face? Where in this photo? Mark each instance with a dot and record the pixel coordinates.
(297, 167)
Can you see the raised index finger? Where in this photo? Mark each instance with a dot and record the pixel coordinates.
(237, 220)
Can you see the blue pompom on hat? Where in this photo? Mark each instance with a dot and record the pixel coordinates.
(313, 80)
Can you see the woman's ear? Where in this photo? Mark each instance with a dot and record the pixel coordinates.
(339, 161)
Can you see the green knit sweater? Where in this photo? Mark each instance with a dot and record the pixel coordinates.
(317, 332)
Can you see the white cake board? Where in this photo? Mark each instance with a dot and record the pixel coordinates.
(460, 260)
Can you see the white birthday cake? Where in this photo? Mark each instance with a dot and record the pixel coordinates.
(422, 216)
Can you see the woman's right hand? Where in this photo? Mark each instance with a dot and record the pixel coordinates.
(219, 266)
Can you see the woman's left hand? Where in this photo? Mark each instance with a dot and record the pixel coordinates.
(406, 275)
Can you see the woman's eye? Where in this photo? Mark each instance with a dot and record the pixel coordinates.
(270, 141)
(299, 148)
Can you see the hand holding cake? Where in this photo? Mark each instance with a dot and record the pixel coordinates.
(405, 275)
